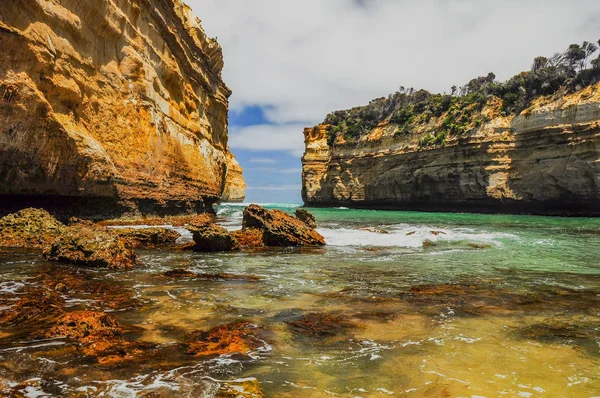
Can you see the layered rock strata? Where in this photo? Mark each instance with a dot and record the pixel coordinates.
(545, 160)
(111, 107)
(235, 186)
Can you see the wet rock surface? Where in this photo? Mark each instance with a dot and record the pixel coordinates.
(249, 238)
(306, 217)
(29, 228)
(211, 238)
(176, 221)
(279, 228)
(91, 245)
(148, 237)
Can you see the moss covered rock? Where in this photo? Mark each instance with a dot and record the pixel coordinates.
(29, 228)
(91, 245)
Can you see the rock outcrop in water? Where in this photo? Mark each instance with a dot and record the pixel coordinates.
(91, 245)
(211, 238)
(479, 151)
(279, 228)
(29, 228)
(112, 107)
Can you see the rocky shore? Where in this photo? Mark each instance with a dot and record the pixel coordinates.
(112, 244)
(74, 250)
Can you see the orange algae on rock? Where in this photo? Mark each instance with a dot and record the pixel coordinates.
(235, 338)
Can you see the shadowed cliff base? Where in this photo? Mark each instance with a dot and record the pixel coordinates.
(556, 208)
(103, 208)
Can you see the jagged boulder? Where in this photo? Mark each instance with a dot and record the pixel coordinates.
(29, 228)
(210, 238)
(279, 228)
(91, 245)
(306, 217)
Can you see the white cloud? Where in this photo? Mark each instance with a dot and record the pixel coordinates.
(262, 160)
(268, 137)
(307, 58)
(291, 171)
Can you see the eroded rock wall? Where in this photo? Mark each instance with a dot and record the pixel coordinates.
(235, 186)
(544, 161)
(110, 106)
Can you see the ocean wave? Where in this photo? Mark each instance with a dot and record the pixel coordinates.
(408, 236)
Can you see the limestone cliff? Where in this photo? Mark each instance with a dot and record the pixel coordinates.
(111, 106)
(544, 159)
(235, 187)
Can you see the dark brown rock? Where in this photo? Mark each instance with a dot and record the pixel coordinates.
(306, 217)
(29, 228)
(279, 228)
(321, 325)
(211, 238)
(91, 245)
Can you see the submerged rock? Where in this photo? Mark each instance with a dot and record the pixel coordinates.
(212, 238)
(35, 307)
(29, 228)
(148, 237)
(321, 325)
(181, 273)
(243, 388)
(279, 228)
(306, 217)
(91, 245)
(85, 327)
(80, 284)
(235, 338)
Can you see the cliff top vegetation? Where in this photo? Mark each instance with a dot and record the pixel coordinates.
(460, 111)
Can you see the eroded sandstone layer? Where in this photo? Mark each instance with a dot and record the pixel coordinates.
(544, 160)
(111, 106)
(235, 186)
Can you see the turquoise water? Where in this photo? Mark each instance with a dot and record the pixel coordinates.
(455, 305)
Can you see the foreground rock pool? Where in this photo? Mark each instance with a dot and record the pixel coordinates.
(452, 305)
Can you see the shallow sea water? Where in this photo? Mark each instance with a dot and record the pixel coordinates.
(453, 305)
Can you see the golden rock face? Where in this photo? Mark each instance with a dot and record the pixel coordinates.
(545, 160)
(120, 101)
(235, 187)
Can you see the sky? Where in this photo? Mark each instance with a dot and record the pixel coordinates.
(290, 63)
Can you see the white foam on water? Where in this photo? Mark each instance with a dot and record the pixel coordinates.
(408, 236)
(11, 286)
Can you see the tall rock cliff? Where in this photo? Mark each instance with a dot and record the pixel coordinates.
(235, 187)
(461, 156)
(111, 106)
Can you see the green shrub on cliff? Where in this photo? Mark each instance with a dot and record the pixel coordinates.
(458, 113)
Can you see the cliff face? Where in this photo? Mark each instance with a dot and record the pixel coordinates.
(111, 105)
(235, 187)
(545, 160)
